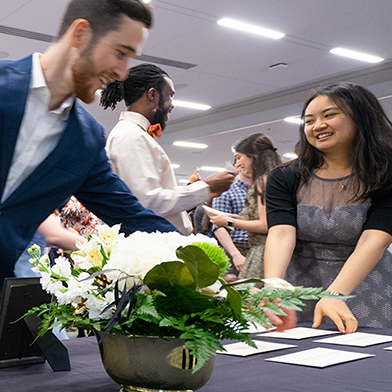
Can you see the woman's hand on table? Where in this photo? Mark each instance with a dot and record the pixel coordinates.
(283, 322)
(338, 312)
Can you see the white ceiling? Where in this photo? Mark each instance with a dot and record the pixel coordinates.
(230, 70)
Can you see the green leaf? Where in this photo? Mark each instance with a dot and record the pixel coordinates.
(168, 274)
(235, 301)
(204, 271)
(242, 281)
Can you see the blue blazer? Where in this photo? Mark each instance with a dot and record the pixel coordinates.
(77, 166)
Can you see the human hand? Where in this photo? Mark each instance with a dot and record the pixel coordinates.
(220, 182)
(283, 322)
(195, 176)
(338, 312)
(218, 219)
(239, 261)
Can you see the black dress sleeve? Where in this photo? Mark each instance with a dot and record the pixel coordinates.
(281, 197)
(379, 216)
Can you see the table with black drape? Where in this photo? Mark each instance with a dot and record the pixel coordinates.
(231, 374)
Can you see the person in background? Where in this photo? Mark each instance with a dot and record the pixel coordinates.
(235, 242)
(50, 147)
(330, 210)
(255, 156)
(138, 159)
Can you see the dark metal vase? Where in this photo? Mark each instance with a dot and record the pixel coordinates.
(148, 363)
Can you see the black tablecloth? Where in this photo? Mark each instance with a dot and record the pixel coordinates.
(231, 374)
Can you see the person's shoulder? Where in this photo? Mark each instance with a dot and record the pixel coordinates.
(23, 64)
(285, 175)
(286, 171)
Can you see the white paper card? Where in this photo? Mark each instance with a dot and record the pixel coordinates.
(358, 339)
(298, 333)
(209, 212)
(319, 357)
(242, 349)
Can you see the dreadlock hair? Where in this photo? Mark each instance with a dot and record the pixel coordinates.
(371, 154)
(264, 157)
(104, 15)
(140, 79)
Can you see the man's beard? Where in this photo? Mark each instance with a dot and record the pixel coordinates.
(82, 77)
(160, 116)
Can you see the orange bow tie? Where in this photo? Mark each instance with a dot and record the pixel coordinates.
(156, 130)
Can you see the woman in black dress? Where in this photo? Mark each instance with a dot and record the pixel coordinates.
(330, 211)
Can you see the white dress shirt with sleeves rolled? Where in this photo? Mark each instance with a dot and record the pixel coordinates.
(144, 166)
(39, 132)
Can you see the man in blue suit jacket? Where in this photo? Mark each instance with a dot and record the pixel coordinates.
(96, 39)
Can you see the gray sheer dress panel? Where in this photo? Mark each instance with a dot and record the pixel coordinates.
(329, 226)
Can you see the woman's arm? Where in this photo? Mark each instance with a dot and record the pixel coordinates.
(226, 241)
(254, 226)
(279, 248)
(369, 250)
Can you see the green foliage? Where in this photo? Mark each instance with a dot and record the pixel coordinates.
(168, 274)
(204, 271)
(175, 305)
(217, 254)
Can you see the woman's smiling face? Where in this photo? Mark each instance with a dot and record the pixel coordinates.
(327, 127)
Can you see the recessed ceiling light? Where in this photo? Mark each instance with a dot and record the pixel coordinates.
(190, 145)
(212, 169)
(235, 24)
(190, 105)
(175, 165)
(356, 55)
(293, 120)
(290, 155)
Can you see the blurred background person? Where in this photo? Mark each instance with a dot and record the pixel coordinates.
(235, 242)
(255, 156)
(138, 159)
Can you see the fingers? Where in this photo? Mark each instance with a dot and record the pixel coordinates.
(338, 312)
(275, 320)
(283, 322)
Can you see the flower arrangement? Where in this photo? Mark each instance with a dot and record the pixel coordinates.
(158, 284)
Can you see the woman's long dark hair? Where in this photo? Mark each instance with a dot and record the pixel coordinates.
(371, 155)
(264, 157)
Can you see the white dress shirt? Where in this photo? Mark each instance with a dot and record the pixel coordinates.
(39, 132)
(145, 167)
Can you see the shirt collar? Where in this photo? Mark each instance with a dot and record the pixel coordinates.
(241, 184)
(136, 118)
(38, 83)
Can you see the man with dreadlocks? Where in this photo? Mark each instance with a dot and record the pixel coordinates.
(138, 159)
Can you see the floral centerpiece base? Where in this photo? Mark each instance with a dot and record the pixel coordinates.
(158, 304)
(149, 363)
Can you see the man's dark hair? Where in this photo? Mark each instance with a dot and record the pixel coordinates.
(104, 15)
(140, 79)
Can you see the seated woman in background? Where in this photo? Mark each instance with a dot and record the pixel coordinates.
(255, 156)
(330, 211)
